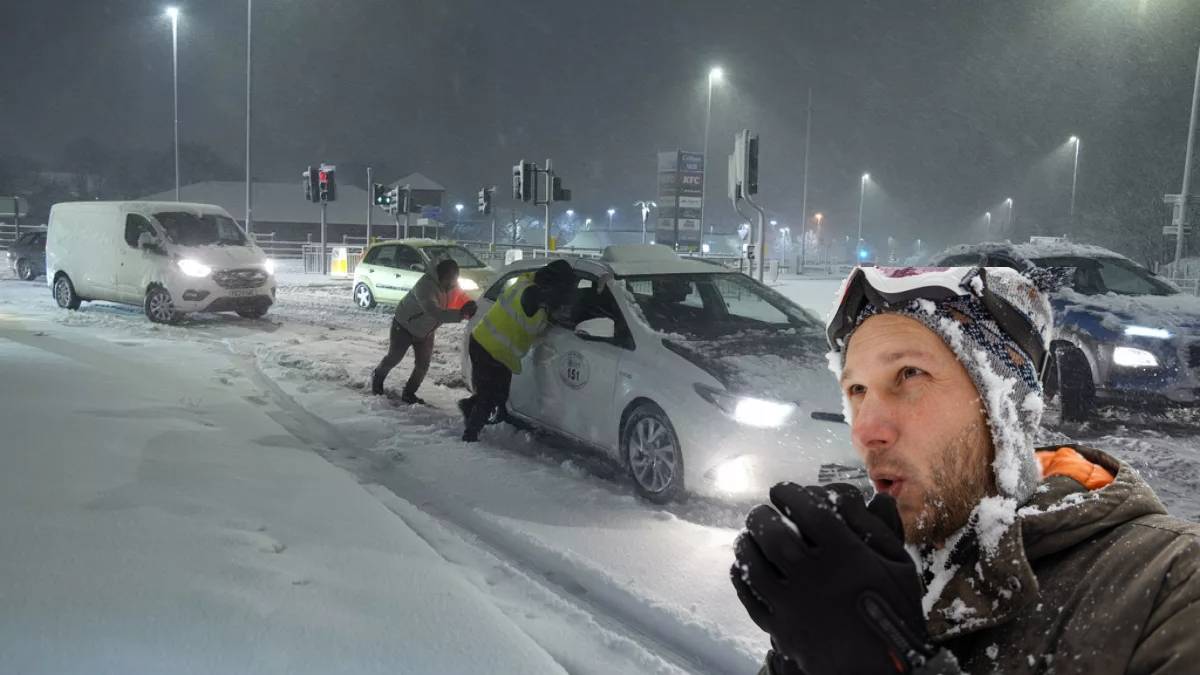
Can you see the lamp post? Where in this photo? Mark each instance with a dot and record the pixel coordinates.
(1074, 177)
(458, 209)
(611, 212)
(862, 197)
(645, 206)
(173, 14)
(987, 216)
(1008, 224)
(587, 224)
(715, 75)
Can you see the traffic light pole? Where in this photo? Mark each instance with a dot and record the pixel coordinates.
(370, 206)
(549, 199)
(324, 251)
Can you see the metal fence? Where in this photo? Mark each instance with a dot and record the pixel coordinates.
(8, 233)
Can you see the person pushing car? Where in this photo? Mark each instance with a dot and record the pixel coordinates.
(505, 335)
(418, 316)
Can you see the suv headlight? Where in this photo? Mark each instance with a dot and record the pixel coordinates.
(753, 412)
(1132, 357)
(194, 268)
(269, 266)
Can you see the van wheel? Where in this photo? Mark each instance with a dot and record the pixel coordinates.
(159, 307)
(64, 293)
(252, 313)
(652, 453)
(25, 270)
(363, 297)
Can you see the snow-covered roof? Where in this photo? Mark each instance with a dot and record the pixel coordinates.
(419, 181)
(600, 239)
(652, 259)
(1033, 251)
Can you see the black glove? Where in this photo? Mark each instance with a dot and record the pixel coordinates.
(469, 308)
(828, 578)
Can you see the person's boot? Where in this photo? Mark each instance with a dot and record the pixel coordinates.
(470, 436)
(377, 382)
(411, 399)
(464, 406)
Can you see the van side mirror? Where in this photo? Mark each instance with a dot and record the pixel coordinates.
(597, 330)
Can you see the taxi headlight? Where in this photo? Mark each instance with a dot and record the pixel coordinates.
(753, 412)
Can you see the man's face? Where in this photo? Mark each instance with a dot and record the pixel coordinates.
(449, 279)
(919, 424)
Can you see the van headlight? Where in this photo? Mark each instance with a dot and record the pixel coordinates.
(269, 266)
(467, 284)
(753, 412)
(194, 268)
(1132, 357)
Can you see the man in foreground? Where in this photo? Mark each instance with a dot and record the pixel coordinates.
(504, 336)
(418, 316)
(1058, 560)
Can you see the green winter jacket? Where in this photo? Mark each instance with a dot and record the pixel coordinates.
(1098, 582)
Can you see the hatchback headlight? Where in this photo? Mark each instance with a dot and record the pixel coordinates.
(269, 266)
(194, 268)
(1132, 357)
(753, 412)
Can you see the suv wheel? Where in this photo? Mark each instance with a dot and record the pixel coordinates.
(64, 293)
(652, 453)
(1070, 378)
(159, 307)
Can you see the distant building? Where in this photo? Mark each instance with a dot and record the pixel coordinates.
(281, 208)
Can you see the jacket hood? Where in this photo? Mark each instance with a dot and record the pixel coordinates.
(984, 577)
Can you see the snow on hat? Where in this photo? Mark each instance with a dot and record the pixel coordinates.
(1005, 374)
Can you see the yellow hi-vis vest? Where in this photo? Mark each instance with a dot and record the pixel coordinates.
(505, 332)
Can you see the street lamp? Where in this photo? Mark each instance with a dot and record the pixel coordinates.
(173, 14)
(1074, 175)
(988, 217)
(611, 212)
(587, 223)
(862, 197)
(715, 75)
(1009, 203)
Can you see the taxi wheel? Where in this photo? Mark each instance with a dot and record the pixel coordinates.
(651, 450)
(363, 297)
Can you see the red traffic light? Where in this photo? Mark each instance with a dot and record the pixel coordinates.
(324, 177)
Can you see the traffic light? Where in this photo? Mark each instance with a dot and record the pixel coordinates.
(523, 177)
(485, 201)
(403, 201)
(379, 195)
(393, 199)
(327, 184)
(310, 184)
(558, 194)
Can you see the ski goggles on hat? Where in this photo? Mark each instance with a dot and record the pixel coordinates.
(893, 287)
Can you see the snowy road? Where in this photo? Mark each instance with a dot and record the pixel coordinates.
(549, 540)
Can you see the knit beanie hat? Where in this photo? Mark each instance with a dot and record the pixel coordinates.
(986, 336)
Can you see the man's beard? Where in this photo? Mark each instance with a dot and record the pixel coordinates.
(959, 479)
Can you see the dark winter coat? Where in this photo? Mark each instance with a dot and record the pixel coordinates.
(1100, 582)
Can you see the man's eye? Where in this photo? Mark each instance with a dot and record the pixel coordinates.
(855, 390)
(910, 372)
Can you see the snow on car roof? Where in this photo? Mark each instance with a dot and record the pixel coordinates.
(1033, 251)
(641, 259)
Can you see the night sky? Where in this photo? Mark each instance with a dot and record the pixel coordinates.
(951, 106)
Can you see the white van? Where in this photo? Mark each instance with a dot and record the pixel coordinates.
(171, 258)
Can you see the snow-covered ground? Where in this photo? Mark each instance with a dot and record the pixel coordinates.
(232, 480)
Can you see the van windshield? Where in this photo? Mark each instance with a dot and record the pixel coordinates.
(192, 229)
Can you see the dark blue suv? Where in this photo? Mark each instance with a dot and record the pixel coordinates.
(1122, 335)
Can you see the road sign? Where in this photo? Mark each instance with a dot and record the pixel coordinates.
(8, 206)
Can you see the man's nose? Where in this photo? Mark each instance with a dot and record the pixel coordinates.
(874, 424)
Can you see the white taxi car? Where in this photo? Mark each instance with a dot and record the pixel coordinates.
(694, 377)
